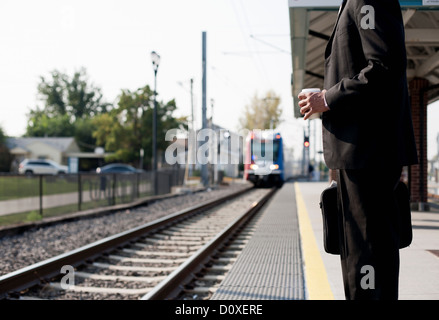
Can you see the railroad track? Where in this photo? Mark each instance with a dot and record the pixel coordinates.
(204, 283)
(153, 261)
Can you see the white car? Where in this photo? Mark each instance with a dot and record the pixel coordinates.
(38, 166)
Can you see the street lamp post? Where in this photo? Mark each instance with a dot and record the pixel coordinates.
(155, 64)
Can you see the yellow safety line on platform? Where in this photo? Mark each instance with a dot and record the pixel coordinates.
(316, 278)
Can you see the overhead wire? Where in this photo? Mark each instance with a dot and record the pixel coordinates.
(257, 62)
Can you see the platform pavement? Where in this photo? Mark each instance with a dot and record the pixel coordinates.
(419, 270)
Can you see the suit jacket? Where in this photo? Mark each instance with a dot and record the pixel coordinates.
(369, 123)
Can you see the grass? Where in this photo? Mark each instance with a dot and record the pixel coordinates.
(52, 186)
(15, 187)
(19, 187)
(32, 216)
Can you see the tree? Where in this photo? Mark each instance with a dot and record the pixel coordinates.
(263, 113)
(128, 128)
(83, 133)
(5, 155)
(40, 124)
(69, 104)
(72, 96)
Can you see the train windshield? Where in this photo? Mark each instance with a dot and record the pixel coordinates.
(265, 151)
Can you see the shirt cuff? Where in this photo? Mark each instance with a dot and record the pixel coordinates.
(326, 104)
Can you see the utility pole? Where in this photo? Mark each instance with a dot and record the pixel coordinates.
(190, 140)
(204, 172)
(213, 147)
(155, 63)
(191, 137)
(193, 125)
(192, 104)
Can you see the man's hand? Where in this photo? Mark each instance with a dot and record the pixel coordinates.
(312, 102)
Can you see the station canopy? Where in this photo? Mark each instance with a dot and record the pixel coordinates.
(312, 22)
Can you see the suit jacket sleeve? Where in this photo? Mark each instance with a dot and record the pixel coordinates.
(382, 49)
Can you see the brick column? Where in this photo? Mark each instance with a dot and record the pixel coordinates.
(418, 187)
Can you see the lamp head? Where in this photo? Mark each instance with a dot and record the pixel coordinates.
(155, 60)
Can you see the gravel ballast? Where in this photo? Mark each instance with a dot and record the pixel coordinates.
(35, 245)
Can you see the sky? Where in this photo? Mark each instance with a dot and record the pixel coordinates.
(248, 54)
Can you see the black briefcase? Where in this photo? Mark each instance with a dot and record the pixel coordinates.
(329, 207)
(330, 216)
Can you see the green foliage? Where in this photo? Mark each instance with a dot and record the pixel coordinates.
(2, 136)
(262, 113)
(73, 107)
(83, 133)
(73, 96)
(68, 105)
(5, 155)
(33, 216)
(40, 124)
(128, 128)
(53, 94)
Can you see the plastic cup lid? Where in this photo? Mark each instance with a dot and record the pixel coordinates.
(306, 90)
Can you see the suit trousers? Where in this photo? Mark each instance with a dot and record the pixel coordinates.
(369, 239)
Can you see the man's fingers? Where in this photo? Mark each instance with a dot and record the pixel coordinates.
(303, 102)
(307, 115)
(304, 105)
(305, 108)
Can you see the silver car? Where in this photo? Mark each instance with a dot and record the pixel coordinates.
(38, 166)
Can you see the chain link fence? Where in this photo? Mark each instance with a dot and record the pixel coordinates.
(25, 198)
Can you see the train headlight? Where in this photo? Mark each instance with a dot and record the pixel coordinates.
(254, 166)
(274, 166)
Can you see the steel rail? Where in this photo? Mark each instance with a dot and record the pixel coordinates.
(171, 286)
(42, 271)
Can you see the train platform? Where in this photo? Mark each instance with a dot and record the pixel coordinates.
(285, 258)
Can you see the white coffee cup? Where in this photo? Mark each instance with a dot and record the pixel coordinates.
(310, 90)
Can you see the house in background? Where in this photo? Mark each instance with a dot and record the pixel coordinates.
(56, 149)
(62, 150)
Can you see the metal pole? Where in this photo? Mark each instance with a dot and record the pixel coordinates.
(191, 127)
(154, 134)
(192, 104)
(314, 143)
(204, 172)
(214, 148)
(154, 125)
(41, 194)
(193, 124)
(141, 153)
(79, 192)
(421, 149)
(155, 63)
(303, 154)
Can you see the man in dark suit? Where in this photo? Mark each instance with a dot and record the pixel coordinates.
(367, 138)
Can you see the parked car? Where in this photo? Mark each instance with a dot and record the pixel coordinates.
(118, 168)
(38, 166)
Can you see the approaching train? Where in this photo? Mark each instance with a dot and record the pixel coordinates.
(264, 158)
